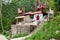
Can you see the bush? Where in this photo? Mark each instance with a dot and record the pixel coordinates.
(57, 13)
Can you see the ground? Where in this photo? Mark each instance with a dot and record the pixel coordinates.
(2, 37)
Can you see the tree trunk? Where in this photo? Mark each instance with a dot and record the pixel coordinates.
(1, 15)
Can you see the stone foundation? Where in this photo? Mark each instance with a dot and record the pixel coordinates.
(19, 29)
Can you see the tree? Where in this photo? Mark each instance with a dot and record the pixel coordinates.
(1, 15)
(57, 4)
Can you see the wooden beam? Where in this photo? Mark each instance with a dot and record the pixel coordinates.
(20, 17)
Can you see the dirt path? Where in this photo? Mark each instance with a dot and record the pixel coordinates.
(2, 37)
(21, 38)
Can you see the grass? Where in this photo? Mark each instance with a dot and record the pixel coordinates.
(48, 31)
(20, 35)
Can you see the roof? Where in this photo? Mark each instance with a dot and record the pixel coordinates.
(33, 13)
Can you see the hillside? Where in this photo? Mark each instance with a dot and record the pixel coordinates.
(9, 10)
(50, 30)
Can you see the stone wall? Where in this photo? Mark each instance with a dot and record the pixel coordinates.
(18, 29)
(13, 29)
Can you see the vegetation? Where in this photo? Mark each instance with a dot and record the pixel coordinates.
(9, 12)
(20, 35)
(49, 30)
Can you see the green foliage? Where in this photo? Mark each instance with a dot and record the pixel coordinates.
(6, 23)
(57, 4)
(9, 11)
(48, 30)
(20, 35)
(51, 4)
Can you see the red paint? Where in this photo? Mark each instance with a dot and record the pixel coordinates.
(37, 18)
(43, 6)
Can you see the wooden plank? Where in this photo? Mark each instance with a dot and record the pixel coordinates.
(29, 24)
(20, 17)
(32, 13)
